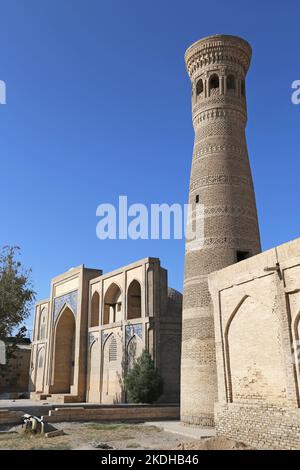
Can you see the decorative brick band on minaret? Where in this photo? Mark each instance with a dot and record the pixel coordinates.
(220, 180)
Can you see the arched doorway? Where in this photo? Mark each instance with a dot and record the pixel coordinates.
(64, 352)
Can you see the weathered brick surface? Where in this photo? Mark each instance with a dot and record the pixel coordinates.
(257, 329)
(260, 426)
(221, 181)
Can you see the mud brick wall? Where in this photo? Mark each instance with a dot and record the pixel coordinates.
(260, 426)
(257, 329)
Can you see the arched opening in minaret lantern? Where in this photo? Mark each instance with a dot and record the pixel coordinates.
(214, 84)
(199, 87)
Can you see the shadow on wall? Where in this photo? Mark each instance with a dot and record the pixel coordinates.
(128, 361)
(2, 353)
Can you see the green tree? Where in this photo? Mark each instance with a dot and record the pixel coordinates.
(143, 382)
(16, 296)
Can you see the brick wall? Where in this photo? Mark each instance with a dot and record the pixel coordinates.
(220, 181)
(260, 426)
(257, 317)
(126, 413)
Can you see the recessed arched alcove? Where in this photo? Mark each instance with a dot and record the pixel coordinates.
(64, 349)
(39, 379)
(42, 324)
(95, 310)
(112, 304)
(134, 304)
(254, 361)
(112, 370)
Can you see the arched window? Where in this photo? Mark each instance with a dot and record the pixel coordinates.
(214, 84)
(113, 352)
(134, 300)
(112, 304)
(243, 91)
(42, 324)
(41, 361)
(230, 83)
(199, 87)
(95, 309)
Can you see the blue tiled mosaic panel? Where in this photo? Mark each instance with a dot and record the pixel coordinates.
(92, 338)
(131, 330)
(69, 299)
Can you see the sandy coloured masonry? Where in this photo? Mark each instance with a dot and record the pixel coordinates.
(240, 367)
(220, 180)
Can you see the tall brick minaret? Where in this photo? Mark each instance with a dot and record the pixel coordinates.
(220, 180)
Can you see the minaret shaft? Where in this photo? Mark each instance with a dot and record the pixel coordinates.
(220, 180)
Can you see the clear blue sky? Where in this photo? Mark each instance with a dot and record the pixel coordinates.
(98, 104)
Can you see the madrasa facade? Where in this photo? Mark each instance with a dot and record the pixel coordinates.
(94, 326)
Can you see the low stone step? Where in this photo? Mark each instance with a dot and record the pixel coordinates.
(39, 396)
(63, 398)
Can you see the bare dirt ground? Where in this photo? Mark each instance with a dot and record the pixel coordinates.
(90, 435)
(213, 443)
(119, 436)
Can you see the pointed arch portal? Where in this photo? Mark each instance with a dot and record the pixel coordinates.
(64, 352)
